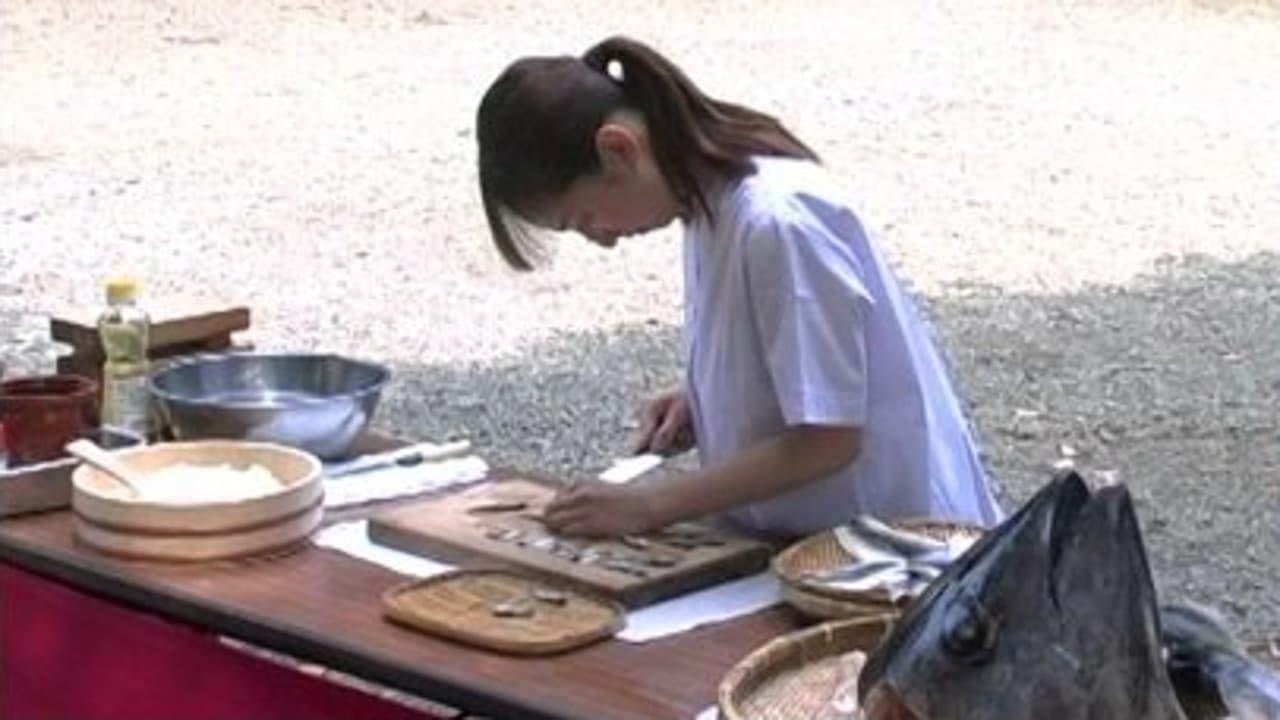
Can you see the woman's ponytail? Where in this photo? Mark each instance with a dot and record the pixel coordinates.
(693, 136)
(536, 128)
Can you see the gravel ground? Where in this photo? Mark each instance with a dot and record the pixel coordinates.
(1086, 196)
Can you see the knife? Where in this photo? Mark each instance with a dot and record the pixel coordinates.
(629, 468)
(405, 456)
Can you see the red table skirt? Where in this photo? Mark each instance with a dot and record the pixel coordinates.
(68, 655)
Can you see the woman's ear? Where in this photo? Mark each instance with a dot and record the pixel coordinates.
(618, 147)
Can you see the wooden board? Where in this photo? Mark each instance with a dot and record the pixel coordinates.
(174, 322)
(178, 327)
(456, 525)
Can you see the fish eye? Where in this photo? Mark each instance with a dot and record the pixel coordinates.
(968, 632)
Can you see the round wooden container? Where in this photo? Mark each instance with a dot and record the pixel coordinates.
(795, 675)
(107, 519)
(822, 552)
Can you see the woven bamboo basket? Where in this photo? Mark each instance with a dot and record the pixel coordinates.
(460, 605)
(795, 675)
(822, 552)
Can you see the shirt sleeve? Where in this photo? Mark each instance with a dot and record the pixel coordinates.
(811, 306)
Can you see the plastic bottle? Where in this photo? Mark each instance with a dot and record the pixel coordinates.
(125, 330)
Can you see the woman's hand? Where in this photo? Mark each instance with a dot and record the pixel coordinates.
(597, 509)
(666, 425)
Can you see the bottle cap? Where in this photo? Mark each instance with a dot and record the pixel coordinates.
(122, 289)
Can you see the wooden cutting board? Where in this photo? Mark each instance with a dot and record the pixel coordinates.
(498, 520)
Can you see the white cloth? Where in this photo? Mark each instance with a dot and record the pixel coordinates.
(794, 317)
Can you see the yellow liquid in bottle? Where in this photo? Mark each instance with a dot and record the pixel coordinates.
(125, 333)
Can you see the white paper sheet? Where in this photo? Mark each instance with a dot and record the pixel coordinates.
(715, 604)
(711, 713)
(352, 538)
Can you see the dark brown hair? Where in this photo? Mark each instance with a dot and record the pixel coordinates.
(537, 124)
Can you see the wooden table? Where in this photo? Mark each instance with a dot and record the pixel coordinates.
(322, 606)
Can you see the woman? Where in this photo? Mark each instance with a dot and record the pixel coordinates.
(812, 388)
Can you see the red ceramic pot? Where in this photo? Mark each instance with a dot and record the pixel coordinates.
(40, 415)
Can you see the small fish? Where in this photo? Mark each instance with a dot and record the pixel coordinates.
(500, 506)
(634, 541)
(565, 552)
(867, 538)
(898, 563)
(858, 576)
(682, 530)
(504, 534)
(545, 543)
(550, 596)
(1212, 674)
(521, 607)
(895, 583)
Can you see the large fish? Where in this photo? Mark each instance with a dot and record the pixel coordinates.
(1050, 615)
(1213, 676)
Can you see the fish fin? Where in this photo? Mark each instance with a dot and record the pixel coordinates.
(1251, 691)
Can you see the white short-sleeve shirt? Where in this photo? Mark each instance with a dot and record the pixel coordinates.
(792, 316)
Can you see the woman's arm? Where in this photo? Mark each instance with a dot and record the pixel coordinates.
(800, 455)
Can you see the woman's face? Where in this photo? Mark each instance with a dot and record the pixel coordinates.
(628, 196)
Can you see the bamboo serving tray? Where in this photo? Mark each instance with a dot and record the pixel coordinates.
(797, 675)
(460, 605)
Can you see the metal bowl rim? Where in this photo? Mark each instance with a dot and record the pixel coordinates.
(382, 372)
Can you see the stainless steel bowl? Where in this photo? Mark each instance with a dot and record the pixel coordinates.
(318, 403)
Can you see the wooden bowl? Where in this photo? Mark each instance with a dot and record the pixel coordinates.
(41, 414)
(192, 548)
(795, 675)
(108, 519)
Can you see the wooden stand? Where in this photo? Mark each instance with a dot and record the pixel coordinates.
(177, 328)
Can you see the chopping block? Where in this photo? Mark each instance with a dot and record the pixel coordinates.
(178, 327)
